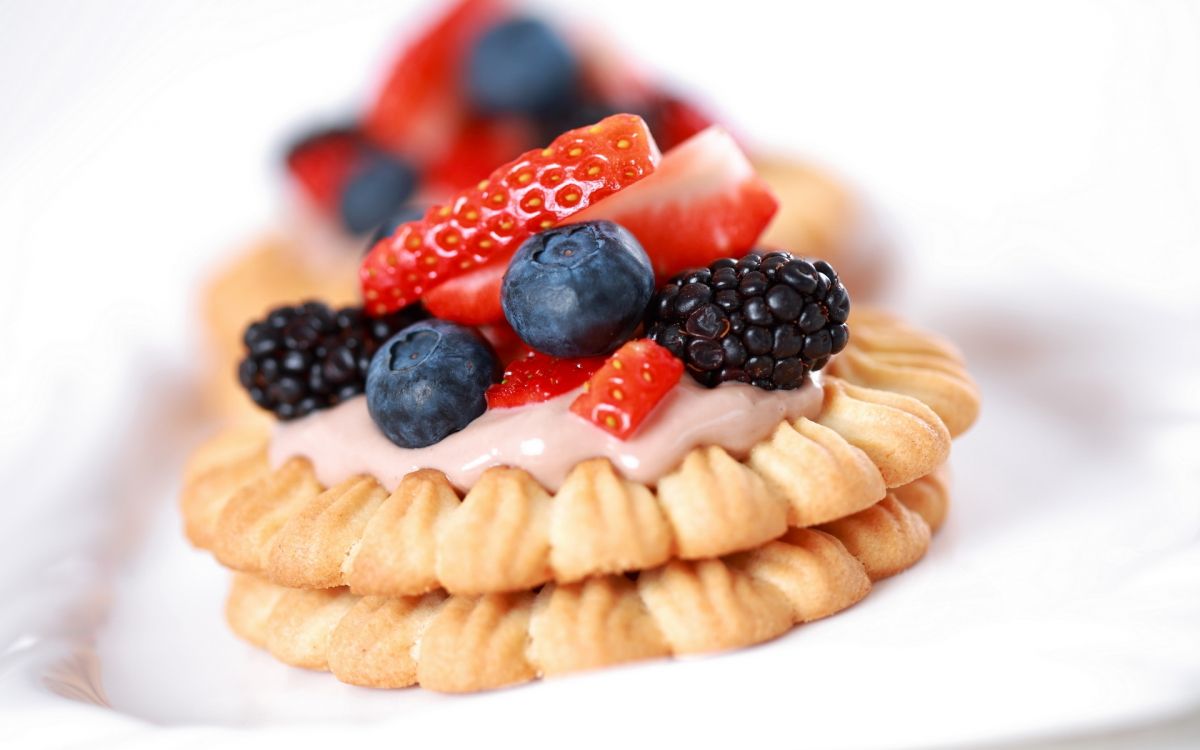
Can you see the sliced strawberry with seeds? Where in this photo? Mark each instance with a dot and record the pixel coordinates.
(471, 299)
(704, 202)
(488, 222)
(623, 392)
(323, 162)
(535, 377)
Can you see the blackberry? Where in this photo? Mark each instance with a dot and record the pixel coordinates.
(306, 357)
(766, 319)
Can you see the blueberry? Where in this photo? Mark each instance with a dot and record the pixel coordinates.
(428, 381)
(578, 290)
(406, 213)
(520, 66)
(375, 190)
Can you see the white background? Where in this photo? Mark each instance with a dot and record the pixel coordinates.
(1039, 165)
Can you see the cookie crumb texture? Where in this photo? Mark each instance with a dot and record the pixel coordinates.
(457, 643)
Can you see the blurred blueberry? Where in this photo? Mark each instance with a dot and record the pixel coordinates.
(521, 66)
(380, 186)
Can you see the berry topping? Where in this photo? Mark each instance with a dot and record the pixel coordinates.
(674, 120)
(474, 149)
(322, 163)
(429, 381)
(406, 213)
(765, 319)
(534, 377)
(307, 357)
(419, 101)
(488, 222)
(578, 290)
(521, 67)
(623, 392)
(472, 299)
(702, 203)
(375, 190)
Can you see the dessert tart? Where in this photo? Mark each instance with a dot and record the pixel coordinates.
(481, 84)
(575, 385)
(459, 643)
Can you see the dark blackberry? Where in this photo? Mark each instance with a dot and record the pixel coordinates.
(767, 319)
(306, 357)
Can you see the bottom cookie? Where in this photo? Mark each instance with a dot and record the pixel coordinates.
(469, 643)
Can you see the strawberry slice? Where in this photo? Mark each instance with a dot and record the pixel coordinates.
(323, 162)
(504, 340)
(535, 377)
(488, 222)
(472, 299)
(702, 203)
(475, 149)
(419, 101)
(623, 392)
(675, 120)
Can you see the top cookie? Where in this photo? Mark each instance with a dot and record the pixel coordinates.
(885, 420)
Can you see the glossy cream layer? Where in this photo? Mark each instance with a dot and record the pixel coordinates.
(545, 439)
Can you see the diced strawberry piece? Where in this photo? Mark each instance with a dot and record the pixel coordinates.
(702, 203)
(420, 99)
(623, 392)
(475, 150)
(535, 377)
(504, 340)
(471, 299)
(675, 120)
(323, 162)
(488, 222)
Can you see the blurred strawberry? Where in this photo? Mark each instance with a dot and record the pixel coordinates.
(674, 120)
(421, 101)
(321, 163)
(475, 148)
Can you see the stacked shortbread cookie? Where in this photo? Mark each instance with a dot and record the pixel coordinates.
(508, 581)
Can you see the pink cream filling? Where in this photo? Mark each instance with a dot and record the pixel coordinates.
(546, 439)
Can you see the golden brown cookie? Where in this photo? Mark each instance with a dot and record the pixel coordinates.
(458, 643)
(821, 217)
(508, 533)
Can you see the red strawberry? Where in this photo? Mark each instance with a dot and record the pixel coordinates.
(322, 163)
(504, 340)
(534, 377)
(676, 120)
(472, 299)
(488, 222)
(419, 101)
(702, 203)
(475, 150)
(626, 389)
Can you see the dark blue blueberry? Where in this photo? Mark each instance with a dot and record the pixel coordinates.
(408, 212)
(380, 186)
(428, 381)
(520, 66)
(578, 290)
